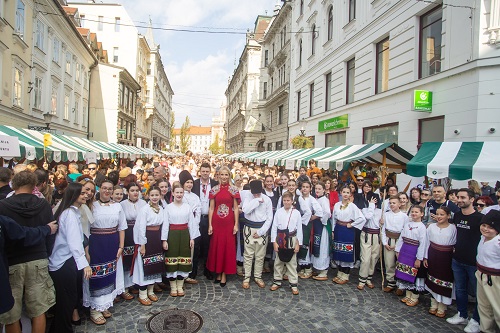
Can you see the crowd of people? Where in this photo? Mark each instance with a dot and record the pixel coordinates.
(94, 234)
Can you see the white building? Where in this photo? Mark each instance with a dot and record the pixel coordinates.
(356, 66)
(275, 78)
(44, 68)
(244, 125)
(200, 139)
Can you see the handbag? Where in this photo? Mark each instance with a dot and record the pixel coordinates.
(283, 239)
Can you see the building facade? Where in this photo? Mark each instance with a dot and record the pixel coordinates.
(200, 139)
(360, 70)
(245, 126)
(275, 78)
(44, 67)
(218, 132)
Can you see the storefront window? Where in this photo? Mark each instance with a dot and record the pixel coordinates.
(381, 134)
(335, 139)
(431, 130)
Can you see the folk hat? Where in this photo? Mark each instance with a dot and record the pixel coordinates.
(184, 176)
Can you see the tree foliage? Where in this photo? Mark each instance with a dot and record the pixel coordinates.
(185, 138)
(215, 147)
(300, 141)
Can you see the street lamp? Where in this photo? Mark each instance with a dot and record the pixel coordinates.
(47, 118)
(302, 131)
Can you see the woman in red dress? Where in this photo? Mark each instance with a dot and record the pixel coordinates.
(223, 226)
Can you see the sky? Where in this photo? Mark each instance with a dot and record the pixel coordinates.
(198, 65)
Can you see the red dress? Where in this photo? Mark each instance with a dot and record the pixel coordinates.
(222, 250)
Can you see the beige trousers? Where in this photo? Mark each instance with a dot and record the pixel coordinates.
(289, 268)
(488, 302)
(370, 252)
(390, 265)
(255, 248)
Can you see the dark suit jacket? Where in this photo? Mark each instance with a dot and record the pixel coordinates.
(197, 184)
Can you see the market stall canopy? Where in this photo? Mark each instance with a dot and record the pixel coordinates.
(332, 157)
(68, 148)
(457, 160)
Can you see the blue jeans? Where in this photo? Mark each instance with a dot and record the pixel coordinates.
(464, 276)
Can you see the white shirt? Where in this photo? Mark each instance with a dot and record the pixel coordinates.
(393, 222)
(204, 197)
(178, 215)
(372, 215)
(488, 253)
(324, 203)
(257, 210)
(108, 216)
(350, 213)
(487, 209)
(194, 202)
(440, 236)
(415, 231)
(146, 218)
(283, 219)
(69, 241)
(314, 206)
(131, 209)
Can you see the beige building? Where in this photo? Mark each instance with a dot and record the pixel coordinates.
(275, 78)
(244, 124)
(200, 139)
(44, 67)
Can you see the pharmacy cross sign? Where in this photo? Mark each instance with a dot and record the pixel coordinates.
(422, 100)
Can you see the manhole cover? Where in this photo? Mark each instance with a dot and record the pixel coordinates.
(175, 321)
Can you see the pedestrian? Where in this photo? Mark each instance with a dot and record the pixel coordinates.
(223, 226)
(286, 235)
(370, 244)
(488, 273)
(346, 217)
(442, 237)
(148, 262)
(117, 195)
(322, 229)
(392, 225)
(410, 248)
(68, 257)
(177, 234)
(438, 200)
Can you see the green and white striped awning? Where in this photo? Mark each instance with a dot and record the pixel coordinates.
(457, 160)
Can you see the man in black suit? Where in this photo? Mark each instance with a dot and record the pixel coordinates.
(201, 188)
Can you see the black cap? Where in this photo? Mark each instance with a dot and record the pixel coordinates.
(184, 176)
(492, 219)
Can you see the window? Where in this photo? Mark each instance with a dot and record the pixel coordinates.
(382, 83)
(328, 91)
(18, 87)
(66, 106)
(68, 63)
(430, 42)
(148, 69)
(335, 139)
(82, 21)
(77, 73)
(20, 16)
(298, 105)
(301, 7)
(56, 51)
(280, 115)
(350, 81)
(352, 10)
(120, 94)
(265, 90)
(117, 24)
(53, 100)
(270, 146)
(77, 110)
(266, 58)
(126, 98)
(85, 78)
(311, 98)
(381, 134)
(115, 54)
(272, 84)
(330, 23)
(300, 52)
(100, 23)
(431, 130)
(279, 145)
(40, 35)
(313, 39)
(85, 113)
(148, 96)
(37, 92)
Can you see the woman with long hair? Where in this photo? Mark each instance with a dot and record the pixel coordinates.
(474, 186)
(68, 257)
(415, 194)
(330, 191)
(405, 204)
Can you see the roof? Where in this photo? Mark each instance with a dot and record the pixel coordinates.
(70, 10)
(195, 130)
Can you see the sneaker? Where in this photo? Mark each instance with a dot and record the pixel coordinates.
(457, 320)
(357, 264)
(472, 327)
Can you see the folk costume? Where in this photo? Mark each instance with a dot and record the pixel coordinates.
(258, 212)
(222, 250)
(178, 229)
(149, 268)
(130, 209)
(488, 276)
(311, 233)
(410, 247)
(439, 254)
(321, 233)
(391, 230)
(107, 271)
(274, 196)
(370, 245)
(344, 237)
(287, 232)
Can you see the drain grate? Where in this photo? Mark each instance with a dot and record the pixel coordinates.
(175, 321)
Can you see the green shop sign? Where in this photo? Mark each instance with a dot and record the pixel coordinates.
(422, 100)
(335, 123)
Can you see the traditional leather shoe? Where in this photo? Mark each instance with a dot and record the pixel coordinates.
(370, 285)
(341, 281)
(412, 302)
(404, 300)
(190, 281)
(144, 301)
(246, 285)
(440, 314)
(320, 278)
(153, 297)
(295, 291)
(127, 296)
(260, 283)
(388, 289)
(360, 286)
(336, 279)
(107, 314)
(275, 287)
(433, 311)
(399, 292)
(180, 293)
(157, 288)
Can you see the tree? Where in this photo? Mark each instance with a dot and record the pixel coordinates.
(215, 147)
(170, 127)
(185, 138)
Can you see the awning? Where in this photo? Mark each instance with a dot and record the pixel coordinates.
(457, 160)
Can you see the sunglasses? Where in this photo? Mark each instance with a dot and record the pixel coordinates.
(359, 180)
(481, 205)
(425, 194)
(92, 168)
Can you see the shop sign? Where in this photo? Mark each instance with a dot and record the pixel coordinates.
(9, 146)
(335, 123)
(422, 100)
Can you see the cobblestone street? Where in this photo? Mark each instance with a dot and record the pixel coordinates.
(320, 307)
